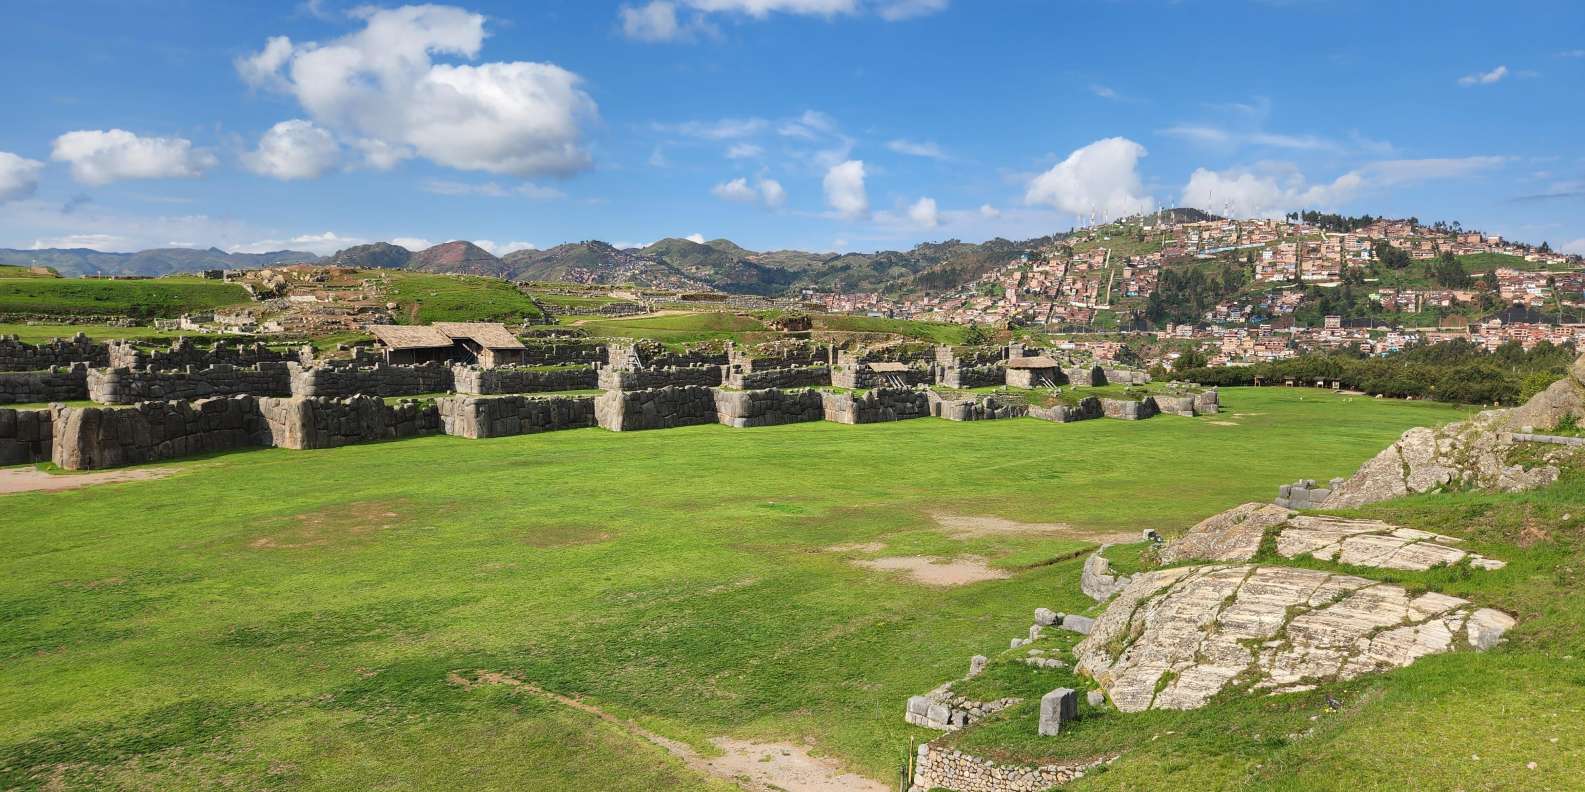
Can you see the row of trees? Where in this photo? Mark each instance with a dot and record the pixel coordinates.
(1454, 371)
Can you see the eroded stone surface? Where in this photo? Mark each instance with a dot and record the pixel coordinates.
(1176, 637)
(1233, 535)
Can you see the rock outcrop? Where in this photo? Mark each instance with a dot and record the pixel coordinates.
(1098, 581)
(1233, 535)
(1176, 637)
(1236, 535)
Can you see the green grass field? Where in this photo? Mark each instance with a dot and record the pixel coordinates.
(291, 619)
(162, 297)
(677, 329)
(14, 271)
(427, 298)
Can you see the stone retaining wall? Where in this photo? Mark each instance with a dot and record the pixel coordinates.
(1188, 404)
(337, 381)
(788, 377)
(49, 385)
(184, 353)
(611, 378)
(945, 768)
(562, 351)
(129, 386)
(960, 376)
(1092, 377)
(658, 408)
(1119, 376)
(642, 354)
(1089, 407)
(862, 376)
(1128, 409)
(24, 436)
(304, 423)
(88, 438)
(779, 354)
(881, 404)
(979, 408)
(742, 409)
(476, 381)
(503, 416)
(16, 355)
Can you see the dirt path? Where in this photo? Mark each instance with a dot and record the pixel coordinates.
(938, 571)
(757, 767)
(962, 526)
(14, 480)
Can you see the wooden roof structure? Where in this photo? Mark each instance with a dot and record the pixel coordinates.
(490, 335)
(409, 337)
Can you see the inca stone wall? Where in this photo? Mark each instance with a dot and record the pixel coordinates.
(562, 351)
(977, 376)
(129, 386)
(476, 381)
(624, 355)
(658, 408)
(881, 404)
(88, 438)
(1091, 377)
(787, 377)
(18, 356)
(743, 409)
(304, 423)
(504, 416)
(184, 354)
(647, 378)
(62, 384)
(1088, 407)
(24, 436)
(779, 354)
(862, 376)
(336, 381)
(1119, 376)
(946, 768)
(1128, 409)
(978, 408)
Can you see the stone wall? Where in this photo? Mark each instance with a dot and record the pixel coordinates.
(476, 381)
(977, 408)
(562, 351)
(24, 436)
(629, 355)
(304, 423)
(746, 408)
(1091, 377)
(611, 378)
(129, 386)
(503, 416)
(183, 353)
(945, 768)
(658, 408)
(18, 356)
(1087, 408)
(881, 404)
(1121, 376)
(862, 376)
(1188, 404)
(788, 377)
(975, 376)
(331, 380)
(779, 354)
(87, 438)
(1128, 409)
(54, 384)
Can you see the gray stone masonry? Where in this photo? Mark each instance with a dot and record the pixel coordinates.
(503, 416)
(1093, 377)
(88, 438)
(631, 355)
(977, 376)
(335, 380)
(25, 436)
(1060, 706)
(611, 378)
(18, 356)
(1128, 409)
(1088, 408)
(1304, 494)
(476, 381)
(129, 386)
(183, 353)
(945, 768)
(562, 351)
(658, 408)
(787, 377)
(976, 408)
(778, 354)
(1122, 376)
(860, 375)
(743, 409)
(881, 404)
(49, 385)
(329, 423)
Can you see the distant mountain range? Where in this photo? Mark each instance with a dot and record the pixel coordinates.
(75, 262)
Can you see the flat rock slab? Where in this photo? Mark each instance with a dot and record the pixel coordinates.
(1236, 534)
(1176, 637)
(1233, 535)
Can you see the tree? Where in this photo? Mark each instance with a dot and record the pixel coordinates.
(976, 336)
(1391, 257)
(1448, 271)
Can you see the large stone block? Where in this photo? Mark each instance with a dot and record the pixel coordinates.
(1059, 707)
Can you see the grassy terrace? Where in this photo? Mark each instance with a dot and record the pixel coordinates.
(285, 618)
(163, 297)
(425, 298)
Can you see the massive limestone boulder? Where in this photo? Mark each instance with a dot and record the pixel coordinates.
(1233, 535)
(1176, 637)
(1466, 454)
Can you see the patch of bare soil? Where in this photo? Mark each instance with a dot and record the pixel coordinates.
(963, 526)
(332, 525)
(14, 480)
(758, 767)
(937, 571)
(1223, 423)
(857, 547)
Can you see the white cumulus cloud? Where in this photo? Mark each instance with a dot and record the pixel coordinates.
(924, 213)
(844, 186)
(1484, 78)
(19, 176)
(1271, 189)
(99, 156)
(766, 191)
(295, 149)
(323, 244)
(381, 87)
(697, 239)
(1102, 177)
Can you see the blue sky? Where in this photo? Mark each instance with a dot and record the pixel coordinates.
(816, 124)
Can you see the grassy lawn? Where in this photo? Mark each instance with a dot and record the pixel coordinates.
(427, 298)
(678, 329)
(163, 297)
(289, 619)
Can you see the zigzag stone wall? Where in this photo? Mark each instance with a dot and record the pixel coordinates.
(184, 353)
(129, 386)
(18, 356)
(881, 404)
(786, 377)
(25, 436)
(980, 408)
(55, 384)
(87, 438)
(743, 409)
(503, 416)
(977, 376)
(476, 381)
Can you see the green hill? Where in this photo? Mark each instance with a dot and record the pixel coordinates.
(164, 297)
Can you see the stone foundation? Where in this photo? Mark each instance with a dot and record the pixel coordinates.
(963, 376)
(945, 768)
(25, 436)
(502, 416)
(659, 408)
(184, 353)
(881, 404)
(336, 381)
(742, 409)
(476, 381)
(64, 384)
(130, 386)
(88, 438)
(1089, 407)
(978, 408)
(789, 377)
